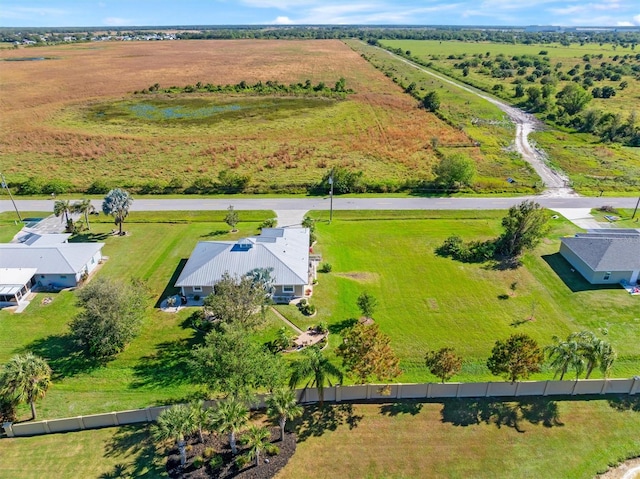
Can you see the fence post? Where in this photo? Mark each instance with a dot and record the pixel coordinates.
(81, 423)
(338, 393)
(544, 392)
(398, 391)
(635, 386)
(428, 390)
(114, 415)
(368, 391)
(8, 429)
(573, 391)
(45, 426)
(486, 391)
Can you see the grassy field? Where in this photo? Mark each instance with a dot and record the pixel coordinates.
(453, 439)
(592, 165)
(428, 302)
(50, 129)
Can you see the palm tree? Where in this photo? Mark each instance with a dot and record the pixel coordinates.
(230, 416)
(282, 405)
(565, 355)
(606, 356)
(175, 423)
(117, 204)
(256, 438)
(84, 207)
(63, 208)
(316, 368)
(201, 417)
(26, 378)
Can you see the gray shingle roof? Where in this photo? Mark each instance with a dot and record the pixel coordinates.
(284, 251)
(602, 252)
(64, 258)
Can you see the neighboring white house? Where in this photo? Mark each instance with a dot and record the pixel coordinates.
(606, 256)
(282, 251)
(46, 261)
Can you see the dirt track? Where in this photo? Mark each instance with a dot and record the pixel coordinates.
(555, 181)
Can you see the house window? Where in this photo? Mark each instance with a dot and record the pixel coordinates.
(62, 276)
(197, 289)
(607, 275)
(287, 289)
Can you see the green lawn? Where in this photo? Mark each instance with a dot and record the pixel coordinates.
(428, 302)
(454, 439)
(465, 438)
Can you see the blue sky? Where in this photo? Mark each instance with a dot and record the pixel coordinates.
(109, 13)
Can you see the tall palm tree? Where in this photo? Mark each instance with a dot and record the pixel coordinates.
(26, 378)
(316, 368)
(606, 356)
(175, 423)
(229, 417)
(282, 405)
(256, 438)
(62, 208)
(84, 207)
(565, 355)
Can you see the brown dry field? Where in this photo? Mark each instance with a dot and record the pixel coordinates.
(379, 130)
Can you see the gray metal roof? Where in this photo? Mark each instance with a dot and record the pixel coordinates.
(602, 252)
(63, 258)
(284, 251)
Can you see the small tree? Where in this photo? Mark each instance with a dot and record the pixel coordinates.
(455, 171)
(174, 423)
(573, 98)
(431, 101)
(525, 226)
(25, 378)
(367, 355)
(256, 438)
(238, 300)
(367, 304)
(515, 358)
(444, 363)
(232, 218)
(111, 316)
(85, 208)
(229, 417)
(117, 204)
(62, 208)
(282, 406)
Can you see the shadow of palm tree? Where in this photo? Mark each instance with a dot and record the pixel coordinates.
(89, 237)
(337, 328)
(469, 412)
(625, 403)
(404, 407)
(135, 443)
(317, 420)
(63, 356)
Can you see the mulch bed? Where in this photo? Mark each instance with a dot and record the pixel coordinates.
(220, 443)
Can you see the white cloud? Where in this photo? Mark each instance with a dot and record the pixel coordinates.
(283, 21)
(116, 21)
(636, 20)
(624, 24)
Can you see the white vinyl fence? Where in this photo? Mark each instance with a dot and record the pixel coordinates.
(360, 393)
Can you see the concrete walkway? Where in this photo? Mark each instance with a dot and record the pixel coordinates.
(290, 218)
(286, 321)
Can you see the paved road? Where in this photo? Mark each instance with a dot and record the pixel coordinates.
(340, 203)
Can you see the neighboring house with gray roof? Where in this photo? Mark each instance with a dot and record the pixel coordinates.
(55, 264)
(606, 256)
(282, 251)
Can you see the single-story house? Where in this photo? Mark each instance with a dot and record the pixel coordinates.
(47, 261)
(606, 256)
(282, 251)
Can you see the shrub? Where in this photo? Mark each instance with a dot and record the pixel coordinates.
(33, 186)
(272, 449)
(99, 187)
(322, 328)
(216, 461)
(57, 187)
(268, 223)
(198, 462)
(326, 268)
(242, 460)
(306, 308)
(208, 452)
